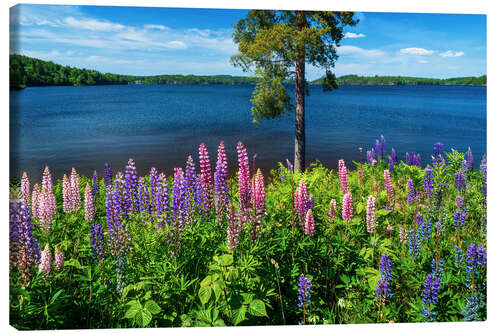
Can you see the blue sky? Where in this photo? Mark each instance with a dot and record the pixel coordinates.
(149, 41)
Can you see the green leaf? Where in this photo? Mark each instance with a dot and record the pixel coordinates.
(217, 291)
(344, 278)
(152, 307)
(247, 298)
(219, 322)
(73, 262)
(257, 308)
(143, 318)
(134, 307)
(204, 294)
(238, 315)
(206, 281)
(226, 260)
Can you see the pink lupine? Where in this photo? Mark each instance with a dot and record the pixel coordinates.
(47, 184)
(347, 207)
(374, 162)
(221, 188)
(25, 188)
(89, 204)
(45, 261)
(244, 186)
(388, 185)
(309, 224)
(58, 258)
(258, 202)
(206, 175)
(344, 182)
(403, 235)
(333, 208)
(75, 191)
(35, 197)
(66, 194)
(301, 201)
(370, 215)
(45, 209)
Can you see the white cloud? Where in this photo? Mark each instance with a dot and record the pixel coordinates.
(175, 44)
(450, 53)
(91, 24)
(354, 50)
(416, 51)
(353, 35)
(423, 61)
(155, 26)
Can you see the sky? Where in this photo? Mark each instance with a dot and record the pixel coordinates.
(152, 41)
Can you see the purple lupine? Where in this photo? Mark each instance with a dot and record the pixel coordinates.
(58, 258)
(89, 204)
(304, 292)
(258, 201)
(108, 174)
(95, 185)
(244, 185)
(412, 193)
(470, 159)
(460, 181)
(378, 149)
(177, 199)
(144, 203)
(200, 199)
(153, 186)
(476, 257)
(131, 195)
(97, 241)
(391, 164)
(429, 182)
(393, 155)
(437, 150)
(417, 161)
(76, 200)
(382, 145)
(383, 291)
(371, 223)
(370, 155)
(333, 208)
(408, 160)
(189, 192)
(300, 201)
(45, 262)
(220, 187)
(206, 176)
(430, 297)
(14, 232)
(483, 169)
(25, 188)
(233, 228)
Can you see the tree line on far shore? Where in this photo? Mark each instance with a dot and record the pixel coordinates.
(407, 80)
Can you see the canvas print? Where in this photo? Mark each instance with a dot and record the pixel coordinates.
(175, 167)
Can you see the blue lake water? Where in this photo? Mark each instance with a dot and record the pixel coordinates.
(160, 125)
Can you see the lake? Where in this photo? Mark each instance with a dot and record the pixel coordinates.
(160, 125)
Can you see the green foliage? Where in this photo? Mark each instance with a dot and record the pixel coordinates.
(404, 80)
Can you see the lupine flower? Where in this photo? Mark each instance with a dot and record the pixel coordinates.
(391, 164)
(415, 242)
(97, 241)
(50, 204)
(417, 161)
(301, 201)
(76, 201)
(482, 167)
(370, 215)
(403, 235)
(66, 194)
(258, 202)
(389, 230)
(393, 155)
(408, 160)
(428, 182)
(388, 185)
(460, 181)
(35, 198)
(45, 261)
(333, 208)
(459, 256)
(412, 193)
(95, 185)
(25, 188)
(475, 306)
(244, 185)
(437, 149)
(309, 224)
(108, 174)
(470, 159)
(45, 209)
(344, 182)
(347, 207)
(233, 228)
(383, 292)
(89, 204)
(178, 199)
(206, 175)
(382, 145)
(378, 149)
(144, 203)
(304, 292)
(437, 270)
(430, 297)
(221, 188)
(58, 258)
(189, 192)
(131, 184)
(476, 257)
(459, 218)
(374, 162)
(370, 155)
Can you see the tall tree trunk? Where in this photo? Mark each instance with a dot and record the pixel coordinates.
(300, 83)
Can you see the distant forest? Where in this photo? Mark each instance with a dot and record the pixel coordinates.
(30, 72)
(407, 80)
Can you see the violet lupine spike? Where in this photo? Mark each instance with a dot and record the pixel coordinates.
(108, 174)
(35, 198)
(301, 199)
(206, 175)
(429, 182)
(333, 208)
(258, 202)
(408, 160)
(89, 204)
(233, 228)
(177, 199)
(75, 191)
(470, 159)
(15, 245)
(378, 149)
(144, 203)
(244, 185)
(30, 253)
(309, 224)
(393, 155)
(25, 188)
(119, 241)
(391, 164)
(45, 262)
(370, 215)
(382, 145)
(460, 182)
(189, 191)
(221, 188)
(95, 185)
(310, 202)
(412, 193)
(344, 182)
(418, 161)
(66, 194)
(347, 207)
(200, 201)
(388, 185)
(131, 184)
(97, 241)
(58, 258)
(153, 186)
